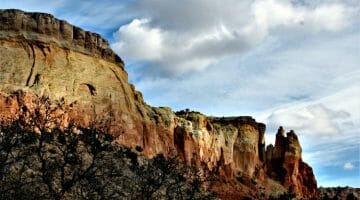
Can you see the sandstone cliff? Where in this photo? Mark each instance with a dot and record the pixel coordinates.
(53, 75)
(284, 163)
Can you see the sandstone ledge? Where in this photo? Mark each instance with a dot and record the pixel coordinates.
(45, 28)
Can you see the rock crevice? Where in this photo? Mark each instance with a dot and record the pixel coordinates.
(32, 66)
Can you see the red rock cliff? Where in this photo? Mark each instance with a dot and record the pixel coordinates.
(53, 74)
(284, 163)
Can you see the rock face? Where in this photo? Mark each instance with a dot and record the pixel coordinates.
(53, 75)
(284, 164)
(45, 57)
(233, 146)
(44, 28)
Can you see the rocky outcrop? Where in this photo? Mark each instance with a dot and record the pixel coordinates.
(233, 146)
(55, 76)
(284, 163)
(42, 28)
(42, 59)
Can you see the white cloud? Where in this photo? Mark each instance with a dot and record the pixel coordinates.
(331, 115)
(348, 166)
(315, 119)
(142, 42)
(328, 17)
(174, 38)
(266, 79)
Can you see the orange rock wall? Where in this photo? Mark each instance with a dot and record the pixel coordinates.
(284, 163)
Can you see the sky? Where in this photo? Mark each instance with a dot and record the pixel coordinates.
(294, 63)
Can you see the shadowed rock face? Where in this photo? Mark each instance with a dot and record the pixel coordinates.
(53, 75)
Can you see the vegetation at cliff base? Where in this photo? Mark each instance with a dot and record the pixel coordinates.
(88, 165)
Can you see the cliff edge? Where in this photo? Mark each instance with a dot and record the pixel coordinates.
(54, 76)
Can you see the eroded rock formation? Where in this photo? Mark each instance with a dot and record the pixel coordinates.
(284, 163)
(53, 75)
(234, 146)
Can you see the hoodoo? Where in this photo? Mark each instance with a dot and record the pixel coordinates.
(53, 75)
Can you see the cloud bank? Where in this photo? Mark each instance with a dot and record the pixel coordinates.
(174, 38)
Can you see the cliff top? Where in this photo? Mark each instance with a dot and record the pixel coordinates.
(224, 120)
(45, 28)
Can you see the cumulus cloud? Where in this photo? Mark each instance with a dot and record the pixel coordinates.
(313, 119)
(175, 38)
(138, 34)
(348, 166)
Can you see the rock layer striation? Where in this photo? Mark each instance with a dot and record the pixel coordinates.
(53, 75)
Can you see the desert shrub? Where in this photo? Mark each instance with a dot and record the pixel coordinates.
(88, 165)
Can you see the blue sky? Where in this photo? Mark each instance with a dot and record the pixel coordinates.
(293, 63)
